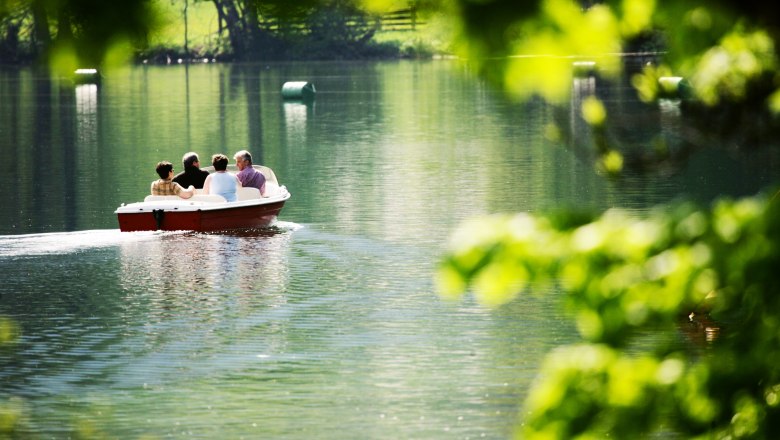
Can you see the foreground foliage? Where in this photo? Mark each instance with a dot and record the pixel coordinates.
(707, 273)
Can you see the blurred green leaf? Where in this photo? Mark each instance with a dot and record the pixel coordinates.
(681, 269)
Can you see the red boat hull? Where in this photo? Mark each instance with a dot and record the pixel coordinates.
(241, 217)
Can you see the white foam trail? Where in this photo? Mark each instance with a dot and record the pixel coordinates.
(287, 226)
(66, 242)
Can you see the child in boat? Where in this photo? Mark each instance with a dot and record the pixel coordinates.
(165, 186)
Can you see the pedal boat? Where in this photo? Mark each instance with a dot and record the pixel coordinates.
(206, 212)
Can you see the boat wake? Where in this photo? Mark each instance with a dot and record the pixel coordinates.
(68, 242)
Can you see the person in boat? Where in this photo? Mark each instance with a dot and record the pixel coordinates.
(220, 181)
(165, 186)
(247, 174)
(192, 174)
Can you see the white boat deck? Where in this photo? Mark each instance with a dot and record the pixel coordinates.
(242, 193)
(200, 201)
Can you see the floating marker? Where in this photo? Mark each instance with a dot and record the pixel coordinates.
(673, 87)
(298, 90)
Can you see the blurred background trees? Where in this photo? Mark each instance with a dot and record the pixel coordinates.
(71, 33)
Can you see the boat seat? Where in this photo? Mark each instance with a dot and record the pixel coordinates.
(271, 189)
(209, 198)
(247, 193)
(161, 198)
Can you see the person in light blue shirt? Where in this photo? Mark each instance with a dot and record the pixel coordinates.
(221, 182)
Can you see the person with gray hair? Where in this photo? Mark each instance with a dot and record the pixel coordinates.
(192, 174)
(247, 175)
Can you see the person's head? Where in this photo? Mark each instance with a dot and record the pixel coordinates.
(164, 169)
(243, 159)
(219, 161)
(190, 159)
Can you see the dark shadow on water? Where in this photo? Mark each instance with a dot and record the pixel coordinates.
(270, 231)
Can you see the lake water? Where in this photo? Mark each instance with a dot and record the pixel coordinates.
(327, 325)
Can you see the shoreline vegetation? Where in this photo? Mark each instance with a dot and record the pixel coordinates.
(330, 34)
(197, 31)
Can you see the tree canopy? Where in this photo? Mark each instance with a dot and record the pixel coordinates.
(73, 32)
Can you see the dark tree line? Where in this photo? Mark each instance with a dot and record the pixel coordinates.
(250, 29)
(307, 29)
